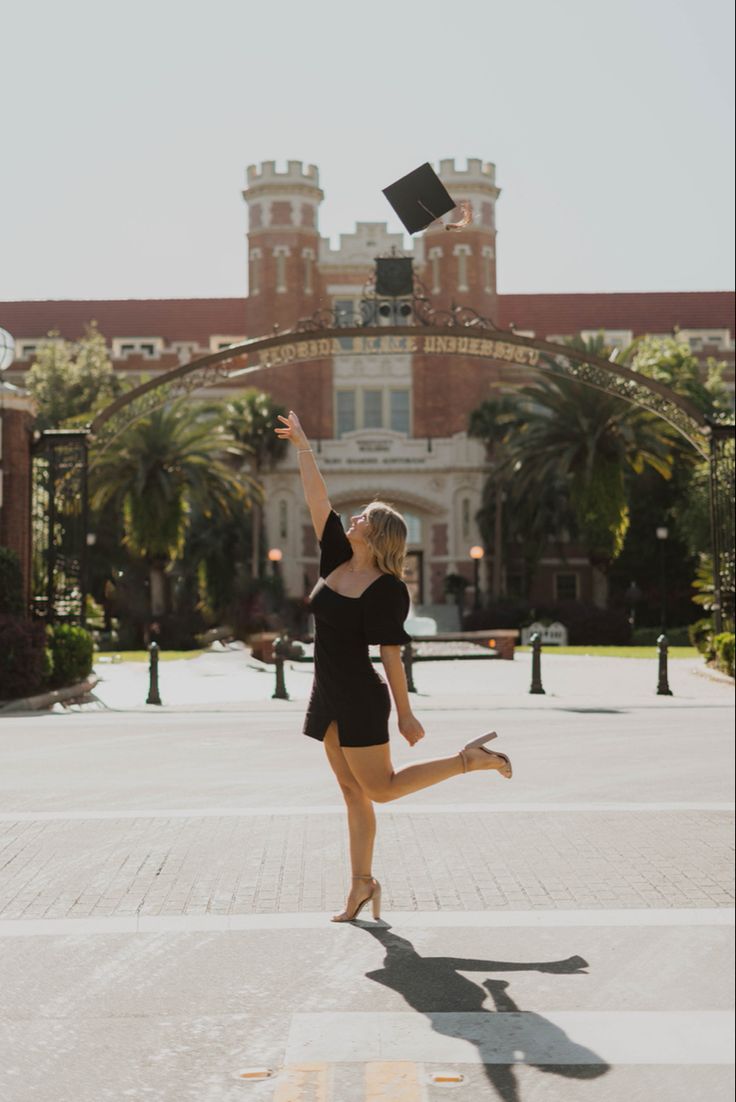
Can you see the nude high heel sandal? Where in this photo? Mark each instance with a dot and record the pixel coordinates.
(374, 899)
(480, 742)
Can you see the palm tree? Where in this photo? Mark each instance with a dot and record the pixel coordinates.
(156, 471)
(512, 518)
(251, 419)
(561, 435)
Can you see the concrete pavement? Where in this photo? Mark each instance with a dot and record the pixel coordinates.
(167, 875)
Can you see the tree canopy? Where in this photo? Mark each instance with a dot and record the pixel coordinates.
(71, 380)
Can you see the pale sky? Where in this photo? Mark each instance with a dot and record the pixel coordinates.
(127, 128)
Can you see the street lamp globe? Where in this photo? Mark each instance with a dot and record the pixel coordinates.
(663, 533)
(275, 554)
(476, 552)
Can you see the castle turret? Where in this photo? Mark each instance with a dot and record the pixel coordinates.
(461, 267)
(283, 244)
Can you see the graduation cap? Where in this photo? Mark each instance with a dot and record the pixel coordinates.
(420, 198)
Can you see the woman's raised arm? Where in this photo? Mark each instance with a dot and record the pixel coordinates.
(315, 491)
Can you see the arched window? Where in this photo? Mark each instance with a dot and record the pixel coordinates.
(487, 268)
(255, 271)
(462, 252)
(435, 256)
(465, 518)
(308, 258)
(280, 254)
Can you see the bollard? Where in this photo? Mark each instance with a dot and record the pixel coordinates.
(663, 687)
(407, 657)
(536, 685)
(153, 694)
(280, 649)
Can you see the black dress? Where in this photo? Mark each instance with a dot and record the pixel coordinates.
(347, 687)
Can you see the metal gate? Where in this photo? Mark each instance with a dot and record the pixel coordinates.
(59, 527)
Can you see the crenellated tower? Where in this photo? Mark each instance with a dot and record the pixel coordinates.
(283, 244)
(461, 267)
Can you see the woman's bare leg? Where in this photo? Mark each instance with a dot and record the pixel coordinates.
(361, 822)
(371, 766)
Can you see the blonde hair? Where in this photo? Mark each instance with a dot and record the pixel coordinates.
(387, 537)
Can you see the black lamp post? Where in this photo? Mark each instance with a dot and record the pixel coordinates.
(476, 553)
(275, 555)
(662, 536)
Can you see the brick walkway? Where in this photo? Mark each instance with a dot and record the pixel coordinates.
(425, 861)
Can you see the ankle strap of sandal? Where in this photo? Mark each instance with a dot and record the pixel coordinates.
(358, 877)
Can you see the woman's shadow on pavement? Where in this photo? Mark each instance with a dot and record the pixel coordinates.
(433, 986)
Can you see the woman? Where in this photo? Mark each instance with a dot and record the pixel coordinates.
(360, 599)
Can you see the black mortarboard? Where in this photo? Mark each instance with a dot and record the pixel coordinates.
(419, 198)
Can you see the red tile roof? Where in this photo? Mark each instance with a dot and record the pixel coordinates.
(197, 319)
(174, 319)
(641, 312)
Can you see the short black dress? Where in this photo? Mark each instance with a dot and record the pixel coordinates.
(347, 688)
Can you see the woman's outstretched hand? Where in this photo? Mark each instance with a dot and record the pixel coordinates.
(291, 430)
(411, 728)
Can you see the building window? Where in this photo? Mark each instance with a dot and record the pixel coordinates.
(346, 420)
(435, 256)
(149, 348)
(255, 271)
(399, 400)
(701, 339)
(283, 520)
(566, 587)
(613, 338)
(487, 256)
(465, 518)
(372, 409)
(280, 253)
(462, 252)
(308, 257)
(220, 341)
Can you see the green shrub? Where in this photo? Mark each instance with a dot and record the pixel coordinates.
(11, 584)
(701, 637)
(724, 648)
(71, 652)
(47, 667)
(21, 657)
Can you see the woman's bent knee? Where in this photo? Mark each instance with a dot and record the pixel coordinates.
(354, 794)
(381, 795)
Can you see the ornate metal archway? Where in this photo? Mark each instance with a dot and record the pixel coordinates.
(459, 331)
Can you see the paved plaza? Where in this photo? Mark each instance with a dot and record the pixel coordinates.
(167, 876)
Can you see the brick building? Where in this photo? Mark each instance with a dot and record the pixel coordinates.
(390, 424)
(16, 426)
